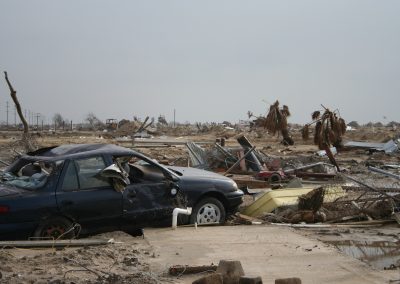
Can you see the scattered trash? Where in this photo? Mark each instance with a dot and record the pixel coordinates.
(322, 153)
(388, 147)
(272, 200)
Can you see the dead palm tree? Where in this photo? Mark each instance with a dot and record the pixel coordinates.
(329, 130)
(276, 121)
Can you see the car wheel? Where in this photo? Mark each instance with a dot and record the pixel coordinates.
(274, 178)
(55, 228)
(208, 210)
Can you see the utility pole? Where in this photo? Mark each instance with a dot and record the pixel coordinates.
(7, 112)
(174, 116)
(37, 121)
(15, 115)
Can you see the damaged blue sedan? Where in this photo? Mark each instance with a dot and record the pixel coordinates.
(60, 192)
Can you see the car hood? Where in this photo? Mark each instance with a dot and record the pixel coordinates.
(192, 173)
(8, 191)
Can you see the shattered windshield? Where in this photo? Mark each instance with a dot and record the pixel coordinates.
(28, 174)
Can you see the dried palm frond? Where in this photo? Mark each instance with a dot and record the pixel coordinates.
(331, 135)
(342, 125)
(318, 133)
(276, 121)
(312, 200)
(315, 115)
(333, 122)
(285, 111)
(283, 123)
(329, 128)
(304, 132)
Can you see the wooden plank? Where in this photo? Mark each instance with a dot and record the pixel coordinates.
(190, 269)
(55, 243)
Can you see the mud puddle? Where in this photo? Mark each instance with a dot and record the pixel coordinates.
(379, 254)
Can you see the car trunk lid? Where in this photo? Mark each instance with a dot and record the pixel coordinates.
(9, 191)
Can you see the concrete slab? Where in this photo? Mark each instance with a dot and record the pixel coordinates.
(268, 251)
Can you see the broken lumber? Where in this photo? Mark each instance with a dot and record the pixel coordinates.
(370, 187)
(55, 244)
(190, 269)
(386, 173)
(238, 161)
(361, 224)
(246, 220)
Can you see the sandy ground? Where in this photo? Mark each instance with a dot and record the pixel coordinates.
(125, 261)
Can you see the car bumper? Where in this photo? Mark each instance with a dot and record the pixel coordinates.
(18, 231)
(234, 199)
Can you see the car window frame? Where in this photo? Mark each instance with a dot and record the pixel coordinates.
(73, 161)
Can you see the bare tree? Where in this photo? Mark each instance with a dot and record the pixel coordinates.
(58, 120)
(26, 138)
(94, 121)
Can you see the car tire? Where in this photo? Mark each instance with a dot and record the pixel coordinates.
(55, 228)
(208, 211)
(274, 178)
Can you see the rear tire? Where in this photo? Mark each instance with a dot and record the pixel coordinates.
(208, 210)
(55, 228)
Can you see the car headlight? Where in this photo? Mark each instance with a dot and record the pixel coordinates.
(174, 191)
(234, 187)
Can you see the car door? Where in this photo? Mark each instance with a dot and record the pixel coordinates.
(86, 197)
(147, 203)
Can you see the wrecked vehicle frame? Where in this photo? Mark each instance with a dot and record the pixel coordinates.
(60, 191)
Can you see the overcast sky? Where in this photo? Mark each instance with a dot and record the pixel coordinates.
(210, 60)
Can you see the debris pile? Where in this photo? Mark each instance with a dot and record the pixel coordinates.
(253, 168)
(328, 204)
(227, 272)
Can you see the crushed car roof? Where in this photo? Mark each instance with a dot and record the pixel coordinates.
(64, 151)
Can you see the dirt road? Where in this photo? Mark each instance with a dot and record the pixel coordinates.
(268, 251)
